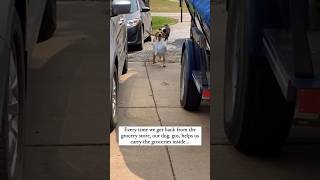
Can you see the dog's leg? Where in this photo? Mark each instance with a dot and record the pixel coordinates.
(164, 60)
(154, 59)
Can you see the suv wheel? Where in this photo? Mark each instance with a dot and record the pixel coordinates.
(114, 99)
(11, 134)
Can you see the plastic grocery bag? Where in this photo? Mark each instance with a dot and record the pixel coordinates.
(159, 47)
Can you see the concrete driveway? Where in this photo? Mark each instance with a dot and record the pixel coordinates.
(301, 157)
(149, 96)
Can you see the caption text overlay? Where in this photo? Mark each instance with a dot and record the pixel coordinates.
(160, 136)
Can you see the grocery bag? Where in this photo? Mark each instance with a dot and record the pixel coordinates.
(159, 47)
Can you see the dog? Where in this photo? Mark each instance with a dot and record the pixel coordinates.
(159, 43)
(166, 30)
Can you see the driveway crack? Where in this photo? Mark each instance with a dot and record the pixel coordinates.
(156, 107)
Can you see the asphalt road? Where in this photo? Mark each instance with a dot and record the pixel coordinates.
(300, 158)
(66, 134)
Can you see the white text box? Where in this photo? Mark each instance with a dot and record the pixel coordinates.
(160, 135)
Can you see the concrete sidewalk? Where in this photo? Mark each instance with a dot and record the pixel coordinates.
(149, 95)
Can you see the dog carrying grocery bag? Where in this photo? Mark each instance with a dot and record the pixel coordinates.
(159, 47)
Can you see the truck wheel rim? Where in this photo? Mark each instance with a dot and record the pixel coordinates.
(114, 99)
(13, 114)
(183, 74)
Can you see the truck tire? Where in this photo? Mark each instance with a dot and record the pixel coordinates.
(114, 99)
(49, 21)
(11, 134)
(257, 118)
(190, 98)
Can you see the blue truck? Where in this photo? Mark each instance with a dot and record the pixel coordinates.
(195, 58)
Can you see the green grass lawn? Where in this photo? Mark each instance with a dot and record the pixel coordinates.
(166, 6)
(160, 21)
